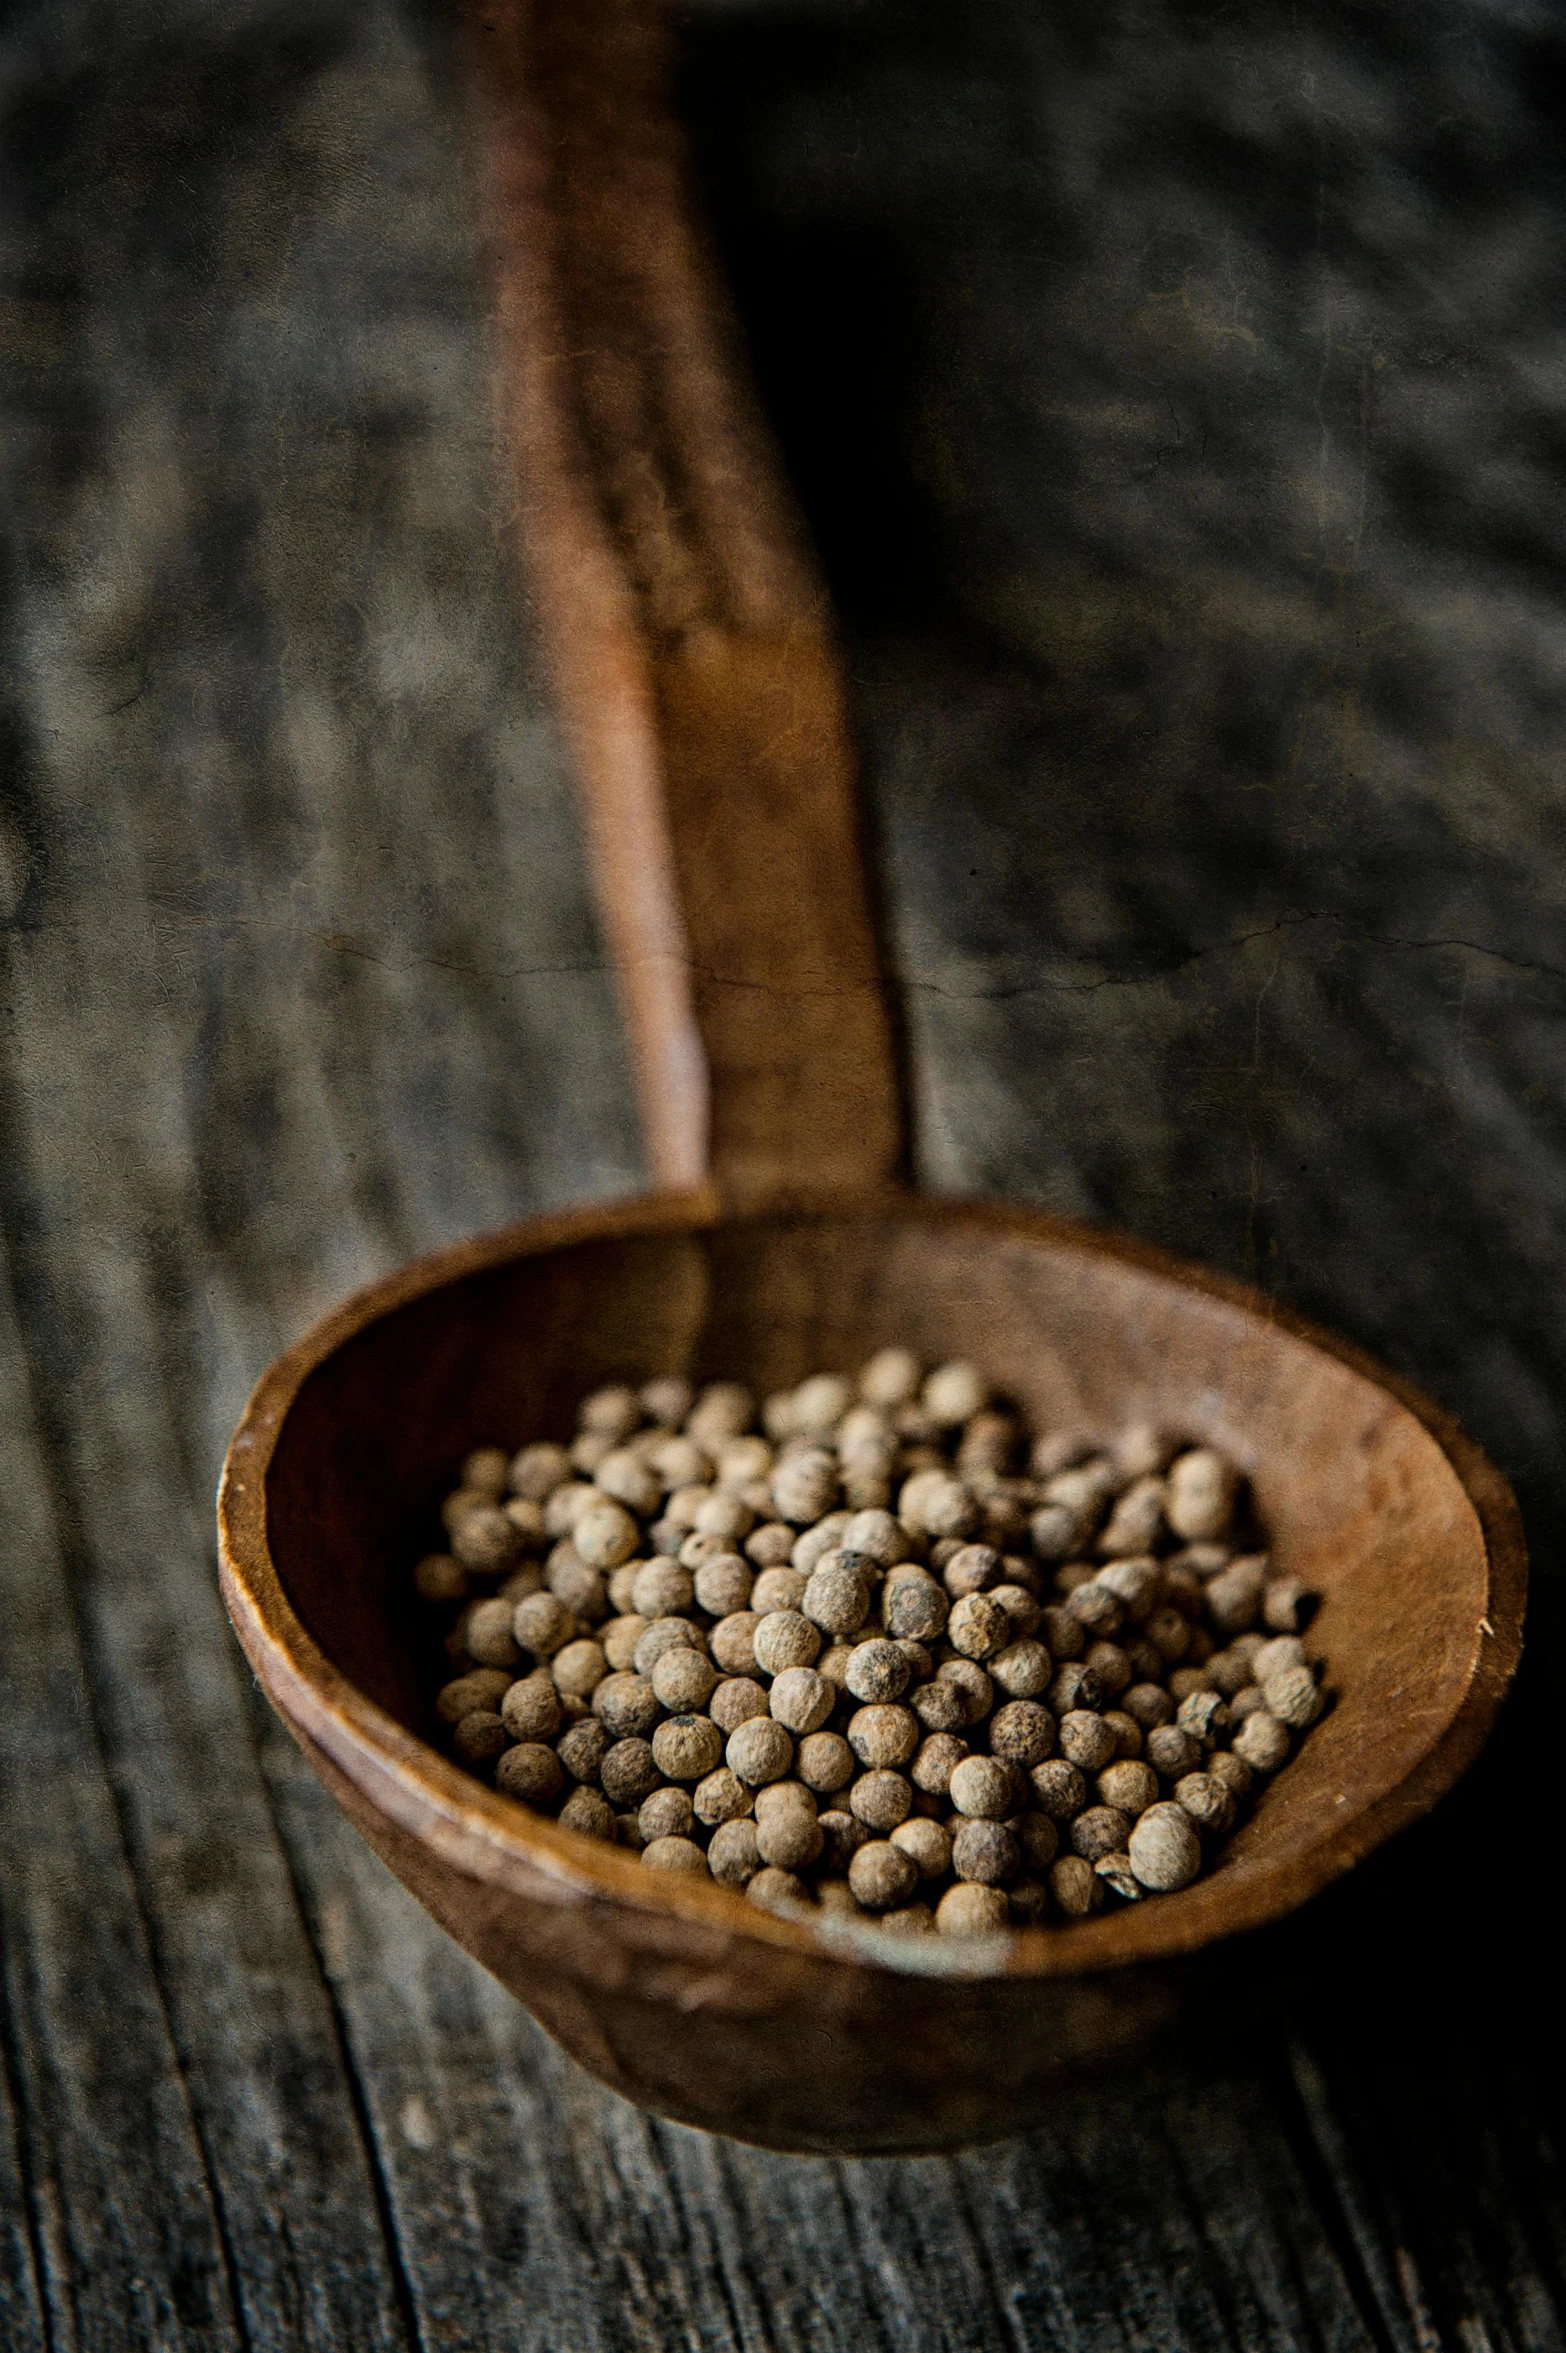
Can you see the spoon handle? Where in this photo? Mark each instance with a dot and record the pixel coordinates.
(688, 638)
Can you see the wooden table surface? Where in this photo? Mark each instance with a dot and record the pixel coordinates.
(1178, 401)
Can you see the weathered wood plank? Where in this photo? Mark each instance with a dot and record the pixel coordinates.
(118, 2203)
(21, 2291)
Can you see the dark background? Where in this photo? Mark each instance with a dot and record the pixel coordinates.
(1177, 396)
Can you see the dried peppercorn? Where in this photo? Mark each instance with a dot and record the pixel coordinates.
(764, 1658)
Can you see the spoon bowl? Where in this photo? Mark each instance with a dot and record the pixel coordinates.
(836, 2036)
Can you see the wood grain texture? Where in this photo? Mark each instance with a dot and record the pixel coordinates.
(259, 590)
(689, 642)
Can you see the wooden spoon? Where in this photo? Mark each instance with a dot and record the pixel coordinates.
(703, 704)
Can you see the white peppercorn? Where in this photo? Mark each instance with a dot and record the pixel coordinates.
(733, 1642)
(723, 1584)
(825, 1762)
(883, 1735)
(627, 1479)
(683, 1681)
(1099, 1830)
(940, 1706)
(1285, 1602)
(938, 1503)
(880, 1800)
(1022, 1732)
(675, 1854)
(934, 1762)
(777, 1589)
(843, 1834)
(1131, 1788)
(985, 1851)
(604, 1534)
(1172, 1751)
(480, 1736)
(665, 1634)
(978, 1626)
(1205, 1716)
(1201, 1494)
(487, 1633)
(1027, 1902)
(582, 1747)
(878, 1536)
(484, 1539)
(566, 1506)
(759, 1751)
(775, 1890)
(1038, 1838)
(972, 1910)
(804, 1487)
(536, 1471)
(721, 1797)
(589, 1813)
(1064, 1635)
(542, 1624)
(954, 1393)
(1262, 1742)
(735, 1699)
(1085, 1740)
(877, 1671)
(891, 1378)
(802, 1700)
(815, 1543)
(687, 1748)
(1075, 1886)
(679, 1512)
(484, 1689)
(1059, 1788)
(661, 1589)
(530, 1709)
(579, 1668)
(440, 1577)
(626, 1705)
(668, 1813)
(983, 1786)
(966, 1676)
(629, 1771)
(1135, 1671)
(699, 1548)
(666, 1400)
(733, 1856)
(531, 1772)
(1127, 1732)
(971, 1568)
(916, 1607)
(1234, 1597)
(881, 1875)
(787, 1830)
(769, 1546)
(1118, 1873)
(1164, 1849)
(1231, 1773)
(785, 1638)
(1208, 1803)
(1291, 1695)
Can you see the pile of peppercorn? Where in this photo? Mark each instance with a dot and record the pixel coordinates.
(884, 1656)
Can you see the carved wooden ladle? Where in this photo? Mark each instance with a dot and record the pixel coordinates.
(703, 709)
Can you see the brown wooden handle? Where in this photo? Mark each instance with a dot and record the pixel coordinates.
(688, 637)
